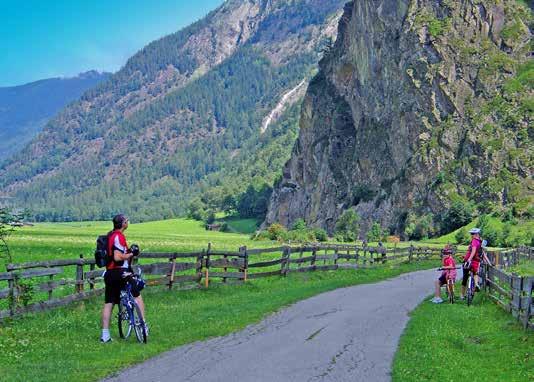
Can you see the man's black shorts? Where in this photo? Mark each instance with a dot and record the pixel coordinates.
(114, 284)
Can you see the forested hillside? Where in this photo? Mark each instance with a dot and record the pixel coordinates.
(184, 114)
(25, 109)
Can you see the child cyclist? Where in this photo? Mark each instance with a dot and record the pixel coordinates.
(449, 273)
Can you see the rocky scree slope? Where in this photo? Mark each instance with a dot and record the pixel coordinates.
(180, 109)
(419, 105)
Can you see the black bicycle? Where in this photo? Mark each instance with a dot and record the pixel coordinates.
(129, 316)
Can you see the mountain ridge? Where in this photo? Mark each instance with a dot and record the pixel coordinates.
(173, 115)
(25, 109)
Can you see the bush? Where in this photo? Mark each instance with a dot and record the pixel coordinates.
(460, 213)
(462, 236)
(210, 218)
(299, 224)
(490, 232)
(320, 234)
(419, 227)
(375, 233)
(276, 231)
(348, 226)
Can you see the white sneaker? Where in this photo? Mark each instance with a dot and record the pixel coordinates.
(437, 300)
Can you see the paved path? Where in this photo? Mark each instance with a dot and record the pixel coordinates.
(348, 334)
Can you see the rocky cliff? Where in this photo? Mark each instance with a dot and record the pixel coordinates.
(420, 104)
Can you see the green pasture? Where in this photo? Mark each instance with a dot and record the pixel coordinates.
(445, 342)
(46, 241)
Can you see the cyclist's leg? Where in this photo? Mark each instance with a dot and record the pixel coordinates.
(136, 293)
(112, 297)
(141, 304)
(465, 276)
(475, 267)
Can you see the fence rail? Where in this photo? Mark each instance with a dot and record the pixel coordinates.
(39, 286)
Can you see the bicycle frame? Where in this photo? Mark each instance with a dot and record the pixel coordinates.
(130, 312)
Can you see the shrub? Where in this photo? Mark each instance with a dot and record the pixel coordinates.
(490, 232)
(375, 232)
(320, 234)
(460, 213)
(225, 227)
(462, 236)
(210, 218)
(299, 224)
(276, 231)
(348, 225)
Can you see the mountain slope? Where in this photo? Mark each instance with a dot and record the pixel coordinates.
(177, 112)
(25, 109)
(419, 107)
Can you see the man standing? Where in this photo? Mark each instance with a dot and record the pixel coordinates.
(119, 264)
(472, 259)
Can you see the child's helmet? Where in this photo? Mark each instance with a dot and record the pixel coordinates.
(447, 250)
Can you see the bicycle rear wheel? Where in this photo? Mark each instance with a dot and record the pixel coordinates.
(124, 322)
(139, 324)
(450, 289)
(470, 291)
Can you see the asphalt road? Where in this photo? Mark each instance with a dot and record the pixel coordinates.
(348, 334)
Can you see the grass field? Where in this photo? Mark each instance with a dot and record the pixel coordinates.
(62, 345)
(458, 343)
(68, 240)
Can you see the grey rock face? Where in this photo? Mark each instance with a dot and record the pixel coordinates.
(392, 107)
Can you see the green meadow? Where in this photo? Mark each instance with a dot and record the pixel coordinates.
(68, 240)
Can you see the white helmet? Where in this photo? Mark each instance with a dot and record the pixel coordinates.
(474, 230)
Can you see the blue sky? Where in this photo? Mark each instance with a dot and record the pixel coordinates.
(51, 38)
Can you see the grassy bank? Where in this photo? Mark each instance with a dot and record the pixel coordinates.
(458, 343)
(63, 344)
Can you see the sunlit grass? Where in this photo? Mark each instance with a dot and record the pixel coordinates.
(458, 343)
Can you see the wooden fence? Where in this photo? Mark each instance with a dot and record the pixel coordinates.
(512, 292)
(39, 286)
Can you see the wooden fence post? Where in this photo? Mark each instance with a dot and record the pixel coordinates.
(244, 255)
(50, 281)
(79, 275)
(314, 257)
(225, 268)
(173, 269)
(335, 255)
(284, 265)
(11, 285)
(410, 254)
(92, 279)
(528, 310)
(200, 258)
(207, 278)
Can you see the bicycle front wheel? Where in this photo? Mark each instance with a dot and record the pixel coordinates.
(139, 324)
(124, 321)
(450, 288)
